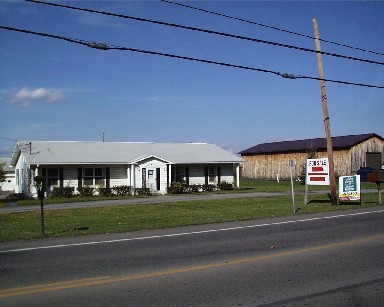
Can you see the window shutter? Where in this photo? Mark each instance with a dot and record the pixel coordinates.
(61, 177)
(187, 175)
(206, 175)
(107, 178)
(158, 179)
(80, 177)
(218, 174)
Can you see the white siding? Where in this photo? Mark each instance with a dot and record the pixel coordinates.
(70, 177)
(152, 165)
(227, 173)
(118, 176)
(196, 174)
(23, 178)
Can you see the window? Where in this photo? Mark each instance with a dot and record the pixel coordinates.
(52, 176)
(180, 174)
(212, 174)
(99, 179)
(93, 176)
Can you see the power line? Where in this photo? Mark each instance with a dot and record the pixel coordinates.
(102, 46)
(8, 139)
(269, 27)
(207, 31)
(77, 41)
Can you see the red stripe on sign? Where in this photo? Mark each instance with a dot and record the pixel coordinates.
(318, 174)
(317, 178)
(317, 169)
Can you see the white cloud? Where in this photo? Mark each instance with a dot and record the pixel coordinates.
(25, 97)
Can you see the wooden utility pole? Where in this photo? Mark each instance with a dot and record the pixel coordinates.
(332, 179)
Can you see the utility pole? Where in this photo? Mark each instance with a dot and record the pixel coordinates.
(332, 179)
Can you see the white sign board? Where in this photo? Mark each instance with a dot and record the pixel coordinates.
(349, 188)
(317, 172)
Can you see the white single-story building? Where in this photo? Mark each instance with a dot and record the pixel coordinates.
(9, 184)
(107, 164)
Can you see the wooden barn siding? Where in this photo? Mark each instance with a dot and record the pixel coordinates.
(358, 158)
(347, 162)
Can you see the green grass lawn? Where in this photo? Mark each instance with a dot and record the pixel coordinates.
(75, 222)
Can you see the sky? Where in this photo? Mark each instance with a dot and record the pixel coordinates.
(56, 90)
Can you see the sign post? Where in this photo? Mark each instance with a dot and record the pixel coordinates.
(317, 173)
(39, 184)
(291, 165)
(349, 188)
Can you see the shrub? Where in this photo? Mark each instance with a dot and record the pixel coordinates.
(86, 191)
(176, 188)
(67, 192)
(143, 191)
(105, 191)
(225, 186)
(209, 187)
(122, 190)
(194, 188)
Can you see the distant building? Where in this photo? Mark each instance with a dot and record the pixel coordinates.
(107, 164)
(271, 160)
(9, 184)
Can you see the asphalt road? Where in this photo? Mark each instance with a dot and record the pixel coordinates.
(331, 259)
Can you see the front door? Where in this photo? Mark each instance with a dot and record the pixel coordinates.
(153, 179)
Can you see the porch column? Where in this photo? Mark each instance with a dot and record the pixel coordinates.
(34, 190)
(133, 185)
(238, 175)
(169, 174)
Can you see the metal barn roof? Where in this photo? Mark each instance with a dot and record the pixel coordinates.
(339, 142)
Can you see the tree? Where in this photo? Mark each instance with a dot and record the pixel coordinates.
(2, 173)
(311, 154)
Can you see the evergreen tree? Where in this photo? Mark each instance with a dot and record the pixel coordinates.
(311, 154)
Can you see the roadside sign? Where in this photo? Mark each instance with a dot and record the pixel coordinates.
(349, 188)
(317, 172)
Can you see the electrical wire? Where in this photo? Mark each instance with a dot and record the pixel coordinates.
(77, 41)
(102, 46)
(269, 27)
(209, 32)
(8, 139)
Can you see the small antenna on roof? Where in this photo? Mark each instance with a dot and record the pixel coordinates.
(103, 135)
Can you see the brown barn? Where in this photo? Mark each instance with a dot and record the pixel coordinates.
(270, 161)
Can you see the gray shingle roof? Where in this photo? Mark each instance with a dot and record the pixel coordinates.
(55, 152)
(339, 142)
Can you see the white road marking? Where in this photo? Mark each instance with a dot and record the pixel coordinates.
(192, 232)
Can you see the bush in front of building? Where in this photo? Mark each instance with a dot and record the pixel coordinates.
(180, 188)
(194, 188)
(122, 190)
(225, 186)
(143, 191)
(86, 191)
(209, 187)
(66, 192)
(104, 191)
(176, 188)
